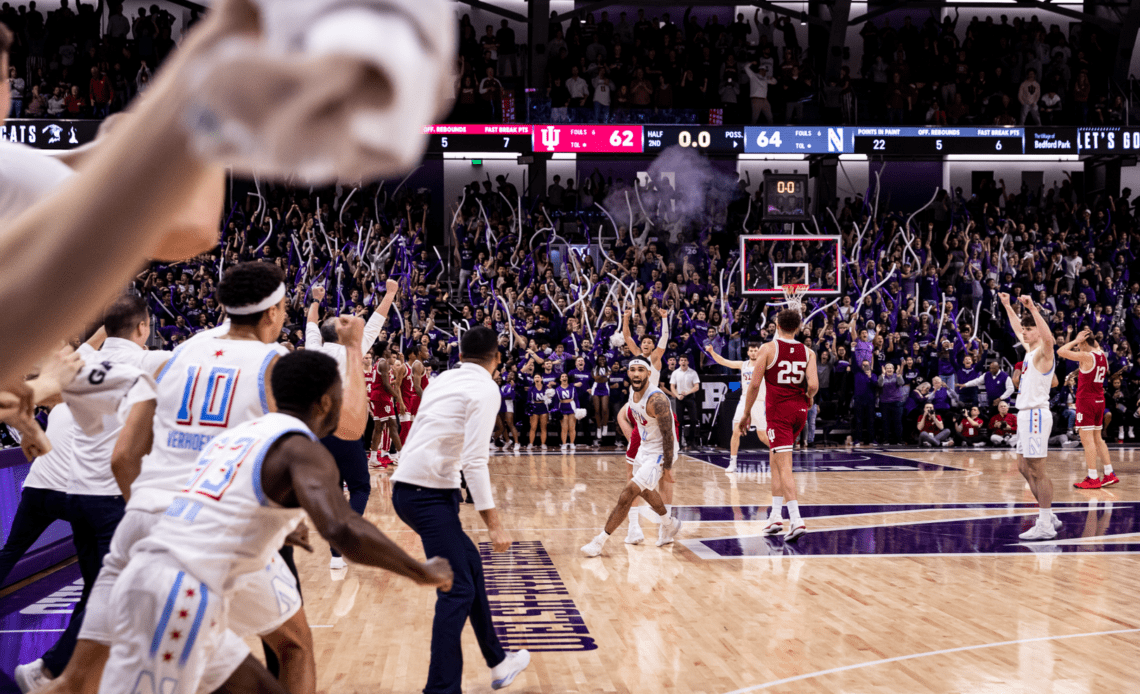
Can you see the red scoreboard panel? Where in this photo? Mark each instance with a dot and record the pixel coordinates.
(617, 139)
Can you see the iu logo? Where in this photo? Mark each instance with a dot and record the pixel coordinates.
(550, 136)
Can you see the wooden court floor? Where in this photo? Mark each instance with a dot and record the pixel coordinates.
(911, 579)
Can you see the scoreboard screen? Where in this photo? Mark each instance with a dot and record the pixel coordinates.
(936, 142)
(785, 197)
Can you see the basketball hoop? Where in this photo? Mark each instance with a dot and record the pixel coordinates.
(794, 294)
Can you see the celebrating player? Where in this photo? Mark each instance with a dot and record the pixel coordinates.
(169, 604)
(788, 367)
(1086, 351)
(759, 421)
(1034, 420)
(651, 354)
(655, 455)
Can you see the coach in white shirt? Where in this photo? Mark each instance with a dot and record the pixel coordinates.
(685, 383)
(452, 433)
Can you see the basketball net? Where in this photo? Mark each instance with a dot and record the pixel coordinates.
(794, 295)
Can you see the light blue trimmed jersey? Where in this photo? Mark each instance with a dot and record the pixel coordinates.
(221, 525)
(209, 385)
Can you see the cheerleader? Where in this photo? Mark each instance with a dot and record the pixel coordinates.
(564, 394)
(506, 421)
(600, 396)
(539, 411)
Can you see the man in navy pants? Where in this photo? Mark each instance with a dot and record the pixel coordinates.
(451, 435)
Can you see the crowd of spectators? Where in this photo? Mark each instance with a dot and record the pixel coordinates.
(932, 336)
(70, 64)
(754, 70)
(649, 68)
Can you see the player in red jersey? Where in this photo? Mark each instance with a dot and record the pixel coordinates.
(410, 392)
(1086, 351)
(382, 396)
(787, 367)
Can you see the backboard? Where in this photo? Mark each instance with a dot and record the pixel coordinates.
(773, 260)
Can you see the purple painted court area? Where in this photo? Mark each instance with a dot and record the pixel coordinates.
(827, 461)
(32, 618)
(995, 535)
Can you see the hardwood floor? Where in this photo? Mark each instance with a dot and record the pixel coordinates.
(909, 580)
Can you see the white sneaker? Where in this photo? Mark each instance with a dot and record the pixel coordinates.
(731, 467)
(798, 529)
(505, 672)
(564, 447)
(530, 446)
(544, 446)
(31, 676)
(594, 548)
(668, 531)
(634, 536)
(338, 563)
(1039, 531)
(775, 526)
(517, 446)
(1057, 522)
(573, 446)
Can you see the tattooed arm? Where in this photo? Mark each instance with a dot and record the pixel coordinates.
(658, 407)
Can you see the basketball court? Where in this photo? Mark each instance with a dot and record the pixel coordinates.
(902, 584)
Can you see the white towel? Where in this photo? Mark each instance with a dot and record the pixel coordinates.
(278, 107)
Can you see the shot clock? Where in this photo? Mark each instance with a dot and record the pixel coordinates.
(785, 198)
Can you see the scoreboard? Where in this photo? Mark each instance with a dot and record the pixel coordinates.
(714, 140)
(938, 141)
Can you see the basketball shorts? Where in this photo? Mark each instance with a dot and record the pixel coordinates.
(759, 410)
(1033, 427)
(382, 408)
(169, 629)
(260, 601)
(1090, 414)
(785, 422)
(647, 469)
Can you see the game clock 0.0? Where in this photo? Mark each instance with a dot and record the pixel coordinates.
(785, 197)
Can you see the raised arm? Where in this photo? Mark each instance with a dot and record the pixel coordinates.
(354, 411)
(1067, 351)
(634, 348)
(1014, 319)
(1046, 332)
(721, 360)
(376, 322)
(313, 319)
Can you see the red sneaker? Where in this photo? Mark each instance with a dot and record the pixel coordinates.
(1089, 483)
(384, 461)
(1109, 480)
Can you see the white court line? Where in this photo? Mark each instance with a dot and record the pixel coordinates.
(29, 631)
(913, 656)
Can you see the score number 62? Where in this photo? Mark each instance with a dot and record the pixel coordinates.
(621, 138)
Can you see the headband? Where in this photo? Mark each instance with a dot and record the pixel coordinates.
(638, 361)
(260, 306)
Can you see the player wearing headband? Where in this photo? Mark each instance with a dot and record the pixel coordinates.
(210, 384)
(787, 367)
(759, 420)
(652, 355)
(655, 456)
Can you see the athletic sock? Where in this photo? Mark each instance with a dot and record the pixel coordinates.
(1092, 474)
(603, 537)
(633, 514)
(1107, 469)
(1045, 516)
(777, 508)
(732, 459)
(794, 511)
